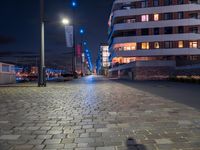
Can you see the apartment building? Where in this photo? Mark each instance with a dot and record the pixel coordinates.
(103, 62)
(147, 30)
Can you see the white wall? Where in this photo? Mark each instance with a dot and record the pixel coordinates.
(7, 77)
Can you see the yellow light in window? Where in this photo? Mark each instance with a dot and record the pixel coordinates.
(180, 44)
(156, 45)
(145, 45)
(193, 44)
(156, 17)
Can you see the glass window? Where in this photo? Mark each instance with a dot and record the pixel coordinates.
(145, 31)
(156, 3)
(180, 1)
(180, 44)
(180, 29)
(144, 3)
(145, 18)
(145, 45)
(156, 17)
(193, 15)
(168, 16)
(193, 44)
(168, 44)
(132, 20)
(156, 45)
(168, 30)
(168, 2)
(193, 29)
(156, 31)
(180, 15)
(5, 68)
(193, 1)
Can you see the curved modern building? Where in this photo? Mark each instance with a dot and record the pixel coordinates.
(145, 30)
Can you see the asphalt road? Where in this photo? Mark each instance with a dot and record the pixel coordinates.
(185, 93)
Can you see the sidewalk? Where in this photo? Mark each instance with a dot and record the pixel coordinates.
(94, 113)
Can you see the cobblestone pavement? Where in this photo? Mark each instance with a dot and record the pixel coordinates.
(94, 114)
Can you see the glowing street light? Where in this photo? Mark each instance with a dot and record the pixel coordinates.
(81, 31)
(65, 21)
(74, 4)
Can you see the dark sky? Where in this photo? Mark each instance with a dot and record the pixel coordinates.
(20, 28)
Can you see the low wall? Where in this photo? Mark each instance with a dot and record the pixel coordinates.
(144, 70)
(152, 73)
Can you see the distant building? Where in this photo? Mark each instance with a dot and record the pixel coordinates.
(103, 62)
(155, 30)
(7, 73)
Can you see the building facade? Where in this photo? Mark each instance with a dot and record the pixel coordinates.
(148, 30)
(7, 73)
(103, 62)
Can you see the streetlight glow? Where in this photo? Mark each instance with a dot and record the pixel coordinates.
(74, 4)
(81, 31)
(65, 21)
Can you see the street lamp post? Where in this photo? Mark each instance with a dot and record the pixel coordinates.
(82, 52)
(42, 70)
(74, 5)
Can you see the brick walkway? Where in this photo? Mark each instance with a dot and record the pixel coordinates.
(94, 114)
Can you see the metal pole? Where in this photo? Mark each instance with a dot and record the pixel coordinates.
(74, 45)
(42, 71)
(74, 51)
(82, 49)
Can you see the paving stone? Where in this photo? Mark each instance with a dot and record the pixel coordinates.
(52, 141)
(9, 137)
(70, 145)
(23, 147)
(106, 148)
(54, 146)
(163, 141)
(84, 140)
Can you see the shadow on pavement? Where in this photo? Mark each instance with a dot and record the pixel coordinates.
(132, 145)
(184, 93)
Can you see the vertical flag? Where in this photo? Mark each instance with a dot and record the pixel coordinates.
(78, 50)
(69, 35)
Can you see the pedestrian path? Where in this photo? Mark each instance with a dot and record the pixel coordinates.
(94, 113)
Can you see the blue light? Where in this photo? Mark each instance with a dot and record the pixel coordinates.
(81, 31)
(84, 43)
(74, 4)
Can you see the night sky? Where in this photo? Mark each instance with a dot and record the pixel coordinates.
(20, 29)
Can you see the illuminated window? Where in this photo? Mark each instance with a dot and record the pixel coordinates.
(156, 45)
(180, 44)
(145, 45)
(156, 17)
(145, 18)
(193, 44)
(126, 46)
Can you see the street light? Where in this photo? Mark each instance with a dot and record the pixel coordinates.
(74, 4)
(65, 21)
(81, 31)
